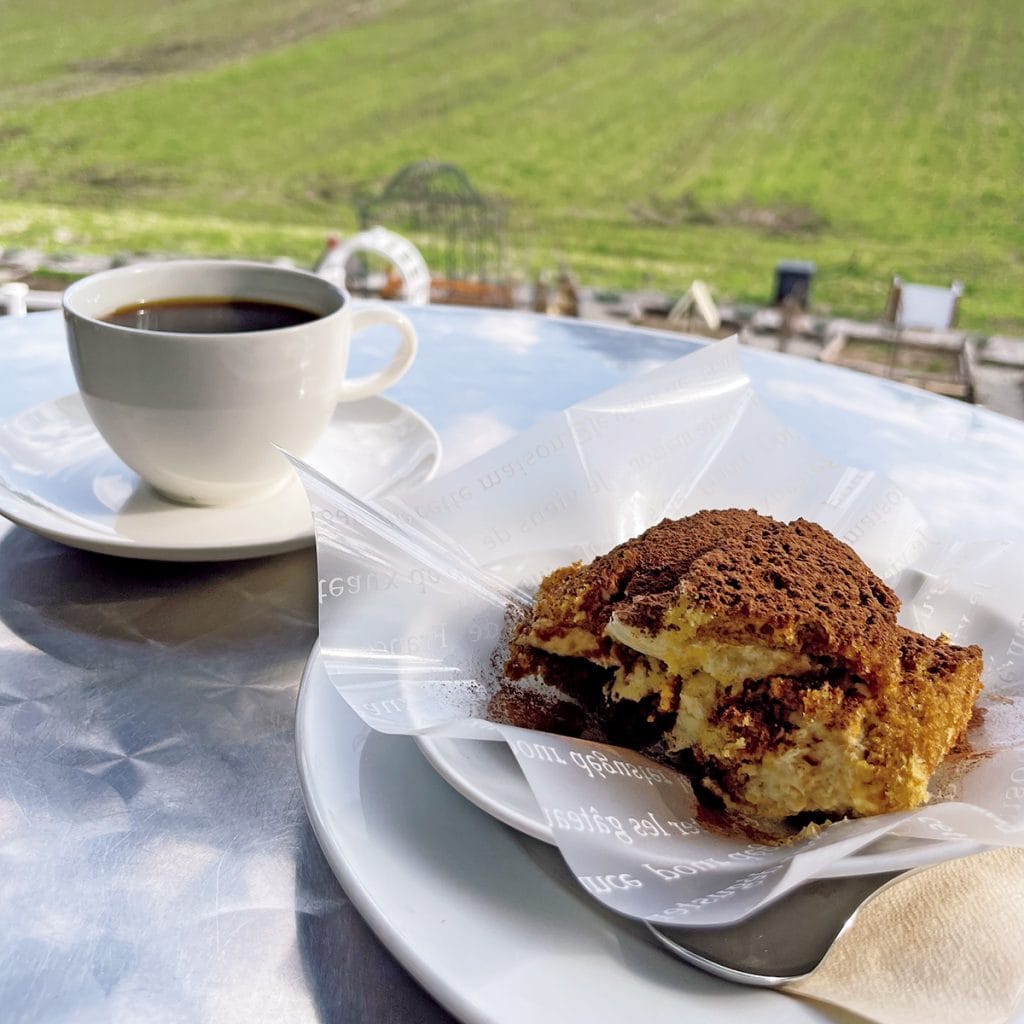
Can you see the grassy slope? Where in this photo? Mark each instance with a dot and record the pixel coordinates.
(647, 143)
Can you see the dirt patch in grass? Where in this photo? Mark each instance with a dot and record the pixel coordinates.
(329, 190)
(193, 54)
(774, 219)
(151, 60)
(10, 132)
(781, 219)
(123, 181)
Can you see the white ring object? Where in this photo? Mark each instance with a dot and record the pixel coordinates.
(407, 259)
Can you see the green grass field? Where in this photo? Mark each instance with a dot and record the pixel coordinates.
(645, 143)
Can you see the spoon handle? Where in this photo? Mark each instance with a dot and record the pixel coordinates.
(782, 942)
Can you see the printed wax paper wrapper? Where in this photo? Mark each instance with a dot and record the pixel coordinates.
(416, 593)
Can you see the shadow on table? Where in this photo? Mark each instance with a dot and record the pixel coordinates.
(96, 610)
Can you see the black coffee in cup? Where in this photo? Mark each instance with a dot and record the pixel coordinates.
(209, 315)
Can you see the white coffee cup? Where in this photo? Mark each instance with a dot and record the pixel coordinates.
(200, 416)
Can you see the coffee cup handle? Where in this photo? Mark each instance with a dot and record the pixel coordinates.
(363, 387)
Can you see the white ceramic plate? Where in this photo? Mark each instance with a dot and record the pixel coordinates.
(59, 479)
(489, 921)
(486, 774)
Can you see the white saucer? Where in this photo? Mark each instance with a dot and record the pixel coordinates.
(58, 478)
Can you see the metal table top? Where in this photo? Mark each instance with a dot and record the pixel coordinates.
(157, 863)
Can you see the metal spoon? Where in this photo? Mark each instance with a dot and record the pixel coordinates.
(783, 942)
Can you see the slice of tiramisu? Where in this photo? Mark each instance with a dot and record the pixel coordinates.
(767, 658)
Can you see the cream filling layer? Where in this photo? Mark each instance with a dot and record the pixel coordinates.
(573, 643)
(729, 664)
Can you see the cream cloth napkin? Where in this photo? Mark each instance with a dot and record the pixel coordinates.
(943, 946)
